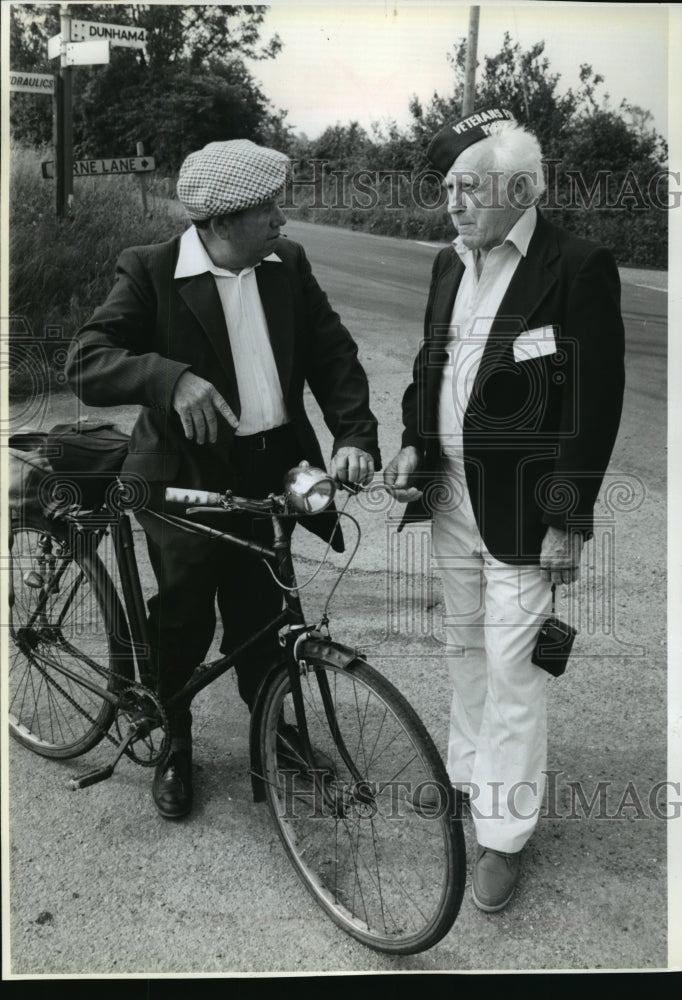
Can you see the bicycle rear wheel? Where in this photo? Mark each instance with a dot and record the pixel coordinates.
(386, 872)
(64, 612)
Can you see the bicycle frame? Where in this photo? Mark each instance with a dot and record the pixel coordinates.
(291, 615)
(291, 618)
(335, 750)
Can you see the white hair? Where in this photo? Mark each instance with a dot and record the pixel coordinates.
(515, 152)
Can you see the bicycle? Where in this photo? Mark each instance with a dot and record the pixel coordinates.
(345, 794)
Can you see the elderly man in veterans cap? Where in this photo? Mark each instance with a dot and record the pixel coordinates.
(510, 421)
(215, 334)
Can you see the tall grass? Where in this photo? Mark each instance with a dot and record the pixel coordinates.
(60, 269)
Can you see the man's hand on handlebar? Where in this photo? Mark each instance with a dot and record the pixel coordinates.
(199, 404)
(352, 465)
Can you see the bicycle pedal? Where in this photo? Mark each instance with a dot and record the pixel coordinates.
(91, 778)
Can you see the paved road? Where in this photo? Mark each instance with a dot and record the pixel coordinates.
(102, 885)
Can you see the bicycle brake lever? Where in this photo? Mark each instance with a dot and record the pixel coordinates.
(352, 488)
(356, 488)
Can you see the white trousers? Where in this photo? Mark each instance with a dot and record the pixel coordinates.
(498, 724)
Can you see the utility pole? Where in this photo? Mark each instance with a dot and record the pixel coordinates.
(470, 66)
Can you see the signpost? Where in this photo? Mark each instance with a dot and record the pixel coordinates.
(82, 43)
(114, 166)
(64, 122)
(31, 83)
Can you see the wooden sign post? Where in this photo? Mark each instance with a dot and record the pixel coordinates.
(64, 147)
(79, 43)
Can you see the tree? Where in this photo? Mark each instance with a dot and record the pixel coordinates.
(189, 87)
(344, 146)
(172, 112)
(197, 33)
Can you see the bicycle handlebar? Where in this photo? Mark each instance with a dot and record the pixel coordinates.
(307, 490)
(193, 498)
(287, 503)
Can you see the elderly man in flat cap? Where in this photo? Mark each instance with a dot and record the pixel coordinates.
(214, 334)
(510, 421)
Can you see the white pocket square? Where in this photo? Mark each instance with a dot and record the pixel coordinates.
(534, 343)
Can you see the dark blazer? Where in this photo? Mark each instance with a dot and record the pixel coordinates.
(152, 328)
(537, 432)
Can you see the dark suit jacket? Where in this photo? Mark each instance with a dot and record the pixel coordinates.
(152, 328)
(538, 433)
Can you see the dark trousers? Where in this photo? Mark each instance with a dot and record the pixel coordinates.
(191, 572)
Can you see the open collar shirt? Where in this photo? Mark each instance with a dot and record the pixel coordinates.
(476, 305)
(258, 384)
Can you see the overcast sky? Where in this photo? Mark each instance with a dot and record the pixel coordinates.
(363, 61)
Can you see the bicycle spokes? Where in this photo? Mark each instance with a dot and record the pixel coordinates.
(387, 872)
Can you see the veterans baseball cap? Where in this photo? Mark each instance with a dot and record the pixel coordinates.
(453, 139)
(226, 177)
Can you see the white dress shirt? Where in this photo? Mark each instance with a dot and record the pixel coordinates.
(260, 391)
(476, 304)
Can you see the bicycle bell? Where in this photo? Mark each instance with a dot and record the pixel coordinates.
(309, 490)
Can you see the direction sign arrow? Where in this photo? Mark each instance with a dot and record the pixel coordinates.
(31, 83)
(116, 165)
(87, 53)
(117, 34)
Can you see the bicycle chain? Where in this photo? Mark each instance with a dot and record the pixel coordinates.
(79, 708)
(155, 757)
(125, 683)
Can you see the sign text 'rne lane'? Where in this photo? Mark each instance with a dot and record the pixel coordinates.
(117, 165)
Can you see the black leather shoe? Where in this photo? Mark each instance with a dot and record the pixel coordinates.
(172, 786)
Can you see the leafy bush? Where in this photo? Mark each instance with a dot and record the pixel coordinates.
(60, 269)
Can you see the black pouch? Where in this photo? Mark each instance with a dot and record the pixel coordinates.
(88, 456)
(553, 644)
(29, 468)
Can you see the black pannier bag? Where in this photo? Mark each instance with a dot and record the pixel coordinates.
(72, 463)
(29, 469)
(90, 455)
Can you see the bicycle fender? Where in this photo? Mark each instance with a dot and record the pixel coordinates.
(256, 765)
(334, 653)
(311, 648)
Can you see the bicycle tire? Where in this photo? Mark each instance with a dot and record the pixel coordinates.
(79, 624)
(384, 872)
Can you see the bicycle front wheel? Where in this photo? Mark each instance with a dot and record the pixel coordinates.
(64, 613)
(387, 871)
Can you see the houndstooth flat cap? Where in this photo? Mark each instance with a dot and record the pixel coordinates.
(229, 176)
